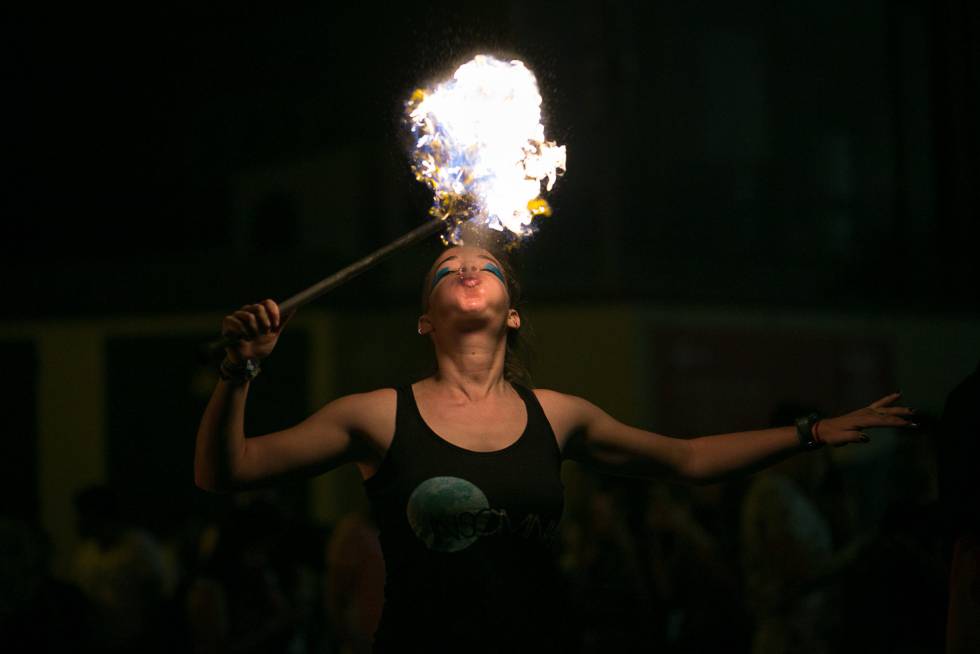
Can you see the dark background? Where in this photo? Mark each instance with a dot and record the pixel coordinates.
(823, 152)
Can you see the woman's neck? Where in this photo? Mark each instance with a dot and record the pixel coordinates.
(471, 365)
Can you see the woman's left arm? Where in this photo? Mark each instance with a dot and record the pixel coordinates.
(716, 457)
(588, 434)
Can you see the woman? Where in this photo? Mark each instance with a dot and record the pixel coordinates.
(462, 468)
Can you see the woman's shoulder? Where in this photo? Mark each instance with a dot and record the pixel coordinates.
(369, 417)
(549, 395)
(367, 412)
(377, 398)
(557, 399)
(566, 413)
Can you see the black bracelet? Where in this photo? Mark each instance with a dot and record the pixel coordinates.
(239, 373)
(804, 430)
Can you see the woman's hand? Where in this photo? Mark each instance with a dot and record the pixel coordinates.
(849, 428)
(256, 327)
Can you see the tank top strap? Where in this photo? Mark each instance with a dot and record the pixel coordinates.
(537, 421)
(408, 419)
(405, 442)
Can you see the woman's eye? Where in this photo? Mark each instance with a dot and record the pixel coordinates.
(496, 271)
(442, 272)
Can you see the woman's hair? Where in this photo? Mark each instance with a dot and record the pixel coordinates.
(515, 368)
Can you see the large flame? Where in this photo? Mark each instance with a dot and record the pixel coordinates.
(480, 146)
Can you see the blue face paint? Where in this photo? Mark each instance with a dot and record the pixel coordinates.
(489, 267)
(496, 271)
(442, 272)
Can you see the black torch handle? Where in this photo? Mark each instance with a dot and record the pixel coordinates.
(216, 348)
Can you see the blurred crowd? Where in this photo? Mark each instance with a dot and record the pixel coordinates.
(810, 556)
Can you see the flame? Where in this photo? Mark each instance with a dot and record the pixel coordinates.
(480, 147)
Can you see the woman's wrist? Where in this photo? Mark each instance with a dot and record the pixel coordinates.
(239, 372)
(805, 431)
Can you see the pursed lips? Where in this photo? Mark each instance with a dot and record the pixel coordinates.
(469, 279)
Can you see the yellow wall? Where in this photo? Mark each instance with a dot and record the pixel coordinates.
(71, 426)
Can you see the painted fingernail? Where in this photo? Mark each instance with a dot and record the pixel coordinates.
(914, 424)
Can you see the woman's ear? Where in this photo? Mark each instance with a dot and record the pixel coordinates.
(425, 326)
(513, 319)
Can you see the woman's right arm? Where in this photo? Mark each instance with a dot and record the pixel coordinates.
(224, 460)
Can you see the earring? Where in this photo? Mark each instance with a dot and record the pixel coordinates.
(420, 331)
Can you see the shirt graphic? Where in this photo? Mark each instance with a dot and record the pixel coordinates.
(449, 514)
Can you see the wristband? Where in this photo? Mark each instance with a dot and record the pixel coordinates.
(239, 373)
(804, 430)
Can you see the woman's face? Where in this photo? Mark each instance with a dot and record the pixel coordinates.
(466, 283)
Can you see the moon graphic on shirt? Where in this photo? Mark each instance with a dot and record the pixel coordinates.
(444, 513)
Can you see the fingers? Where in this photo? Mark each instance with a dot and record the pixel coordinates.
(272, 311)
(885, 415)
(885, 401)
(895, 411)
(874, 420)
(885, 420)
(853, 436)
(277, 319)
(248, 318)
(898, 416)
(252, 320)
(232, 327)
(851, 428)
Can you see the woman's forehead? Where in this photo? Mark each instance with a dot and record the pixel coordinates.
(462, 251)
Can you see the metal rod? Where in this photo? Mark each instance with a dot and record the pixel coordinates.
(216, 348)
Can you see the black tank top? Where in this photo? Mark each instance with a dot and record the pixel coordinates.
(468, 538)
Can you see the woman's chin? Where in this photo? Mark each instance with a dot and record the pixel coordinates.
(472, 317)
(469, 303)
(469, 312)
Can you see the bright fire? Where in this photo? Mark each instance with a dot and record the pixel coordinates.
(480, 146)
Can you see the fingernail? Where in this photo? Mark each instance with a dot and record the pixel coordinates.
(914, 424)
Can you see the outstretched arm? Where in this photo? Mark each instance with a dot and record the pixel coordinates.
(716, 457)
(588, 434)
